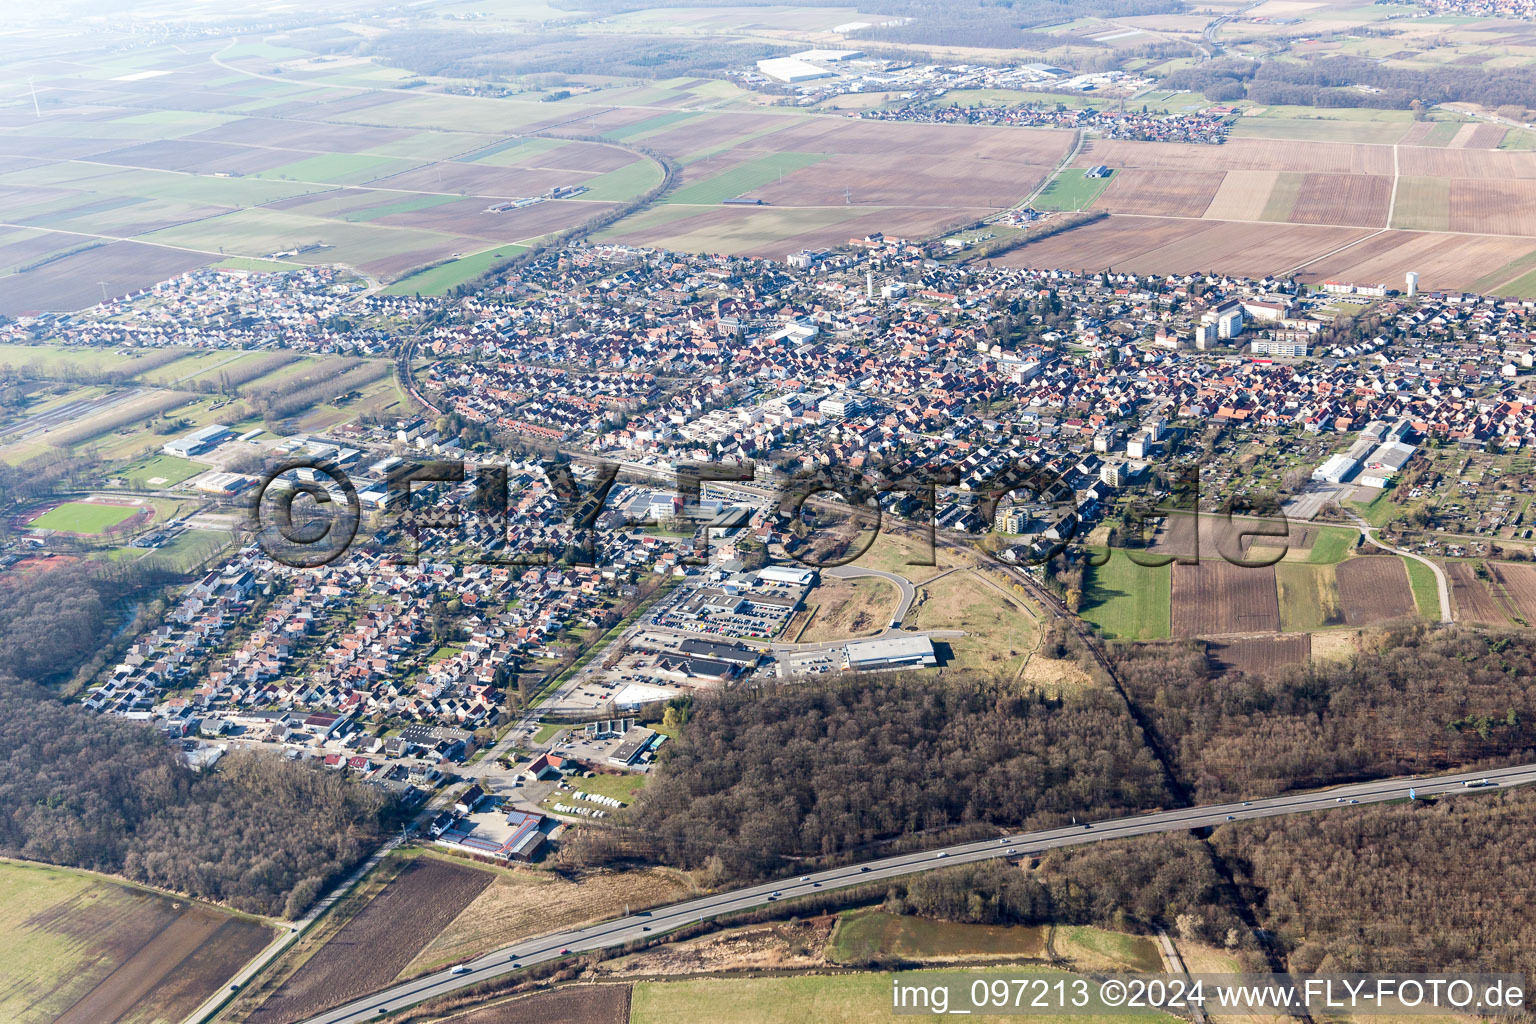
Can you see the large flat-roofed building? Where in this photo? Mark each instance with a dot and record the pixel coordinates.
(197, 442)
(736, 654)
(1336, 469)
(1385, 463)
(900, 652)
(787, 575)
(791, 69)
(1285, 347)
(635, 743)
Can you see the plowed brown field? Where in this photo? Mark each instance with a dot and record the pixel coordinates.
(1217, 597)
(1519, 582)
(579, 1004)
(1473, 600)
(1374, 589)
(373, 948)
(1257, 655)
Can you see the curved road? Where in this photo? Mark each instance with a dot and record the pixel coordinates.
(1440, 583)
(510, 959)
(853, 572)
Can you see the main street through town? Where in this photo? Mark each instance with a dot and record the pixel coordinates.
(651, 924)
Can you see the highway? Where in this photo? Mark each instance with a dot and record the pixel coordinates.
(510, 959)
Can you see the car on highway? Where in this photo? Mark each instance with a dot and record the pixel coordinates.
(805, 878)
(1231, 817)
(864, 868)
(942, 854)
(564, 951)
(1011, 850)
(461, 969)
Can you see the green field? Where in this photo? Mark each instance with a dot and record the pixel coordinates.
(160, 471)
(1332, 545)
(620, 787)
(1071, 189)
(650, 125)
(627, 182)
(834, 999)
(186, 552)
(1379, 510)
(1127, 601)
(442, 279)
(403, 206)
(744, 178)
(1309, 597)
(1426, 592)
(863, 934)
(83, 517)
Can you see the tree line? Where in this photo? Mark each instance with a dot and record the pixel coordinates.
(1336, 82)
(1166, 880)
(505, 55)
(1435, 886)
(768, 777)
(1415, 700)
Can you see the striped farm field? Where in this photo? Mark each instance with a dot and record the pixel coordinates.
(1242, 195)
(1161, 193)
(1374, 589)
(1242, 155)
(1423, 204)
(1493, 206)
(1465, 163)
(1354, 199)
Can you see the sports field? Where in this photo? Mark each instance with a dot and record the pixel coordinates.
(84, 517)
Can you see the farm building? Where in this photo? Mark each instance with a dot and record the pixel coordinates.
(1096, 171)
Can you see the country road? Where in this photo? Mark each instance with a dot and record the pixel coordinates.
(1366, 531)
(510, 959)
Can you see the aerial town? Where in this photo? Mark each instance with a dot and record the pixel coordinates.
(874, 357)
